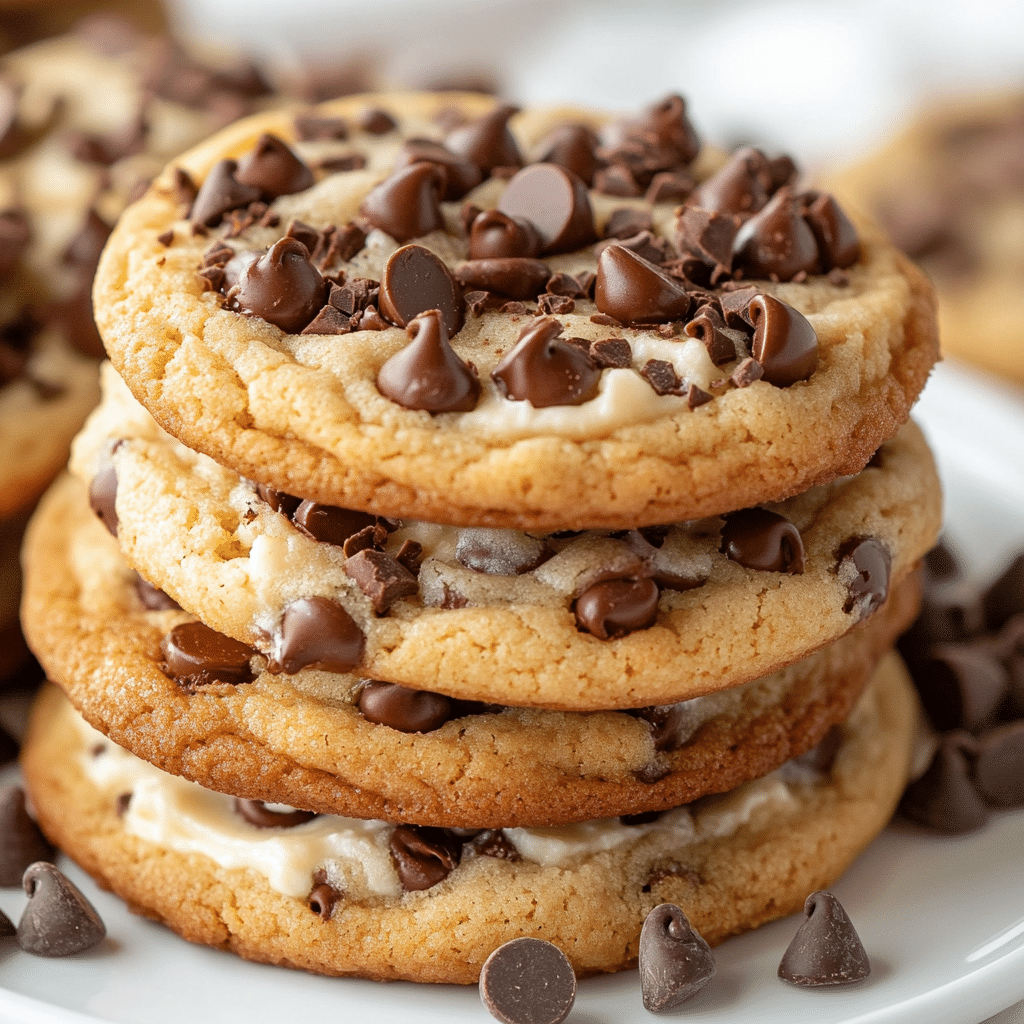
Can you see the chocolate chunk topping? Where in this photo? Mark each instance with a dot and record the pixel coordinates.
(555, 201)
(763, 540)
(999, 766)
(323, 897)
(58, 920)
(317, 632)
(282, 286)
(461, 174)
(376, 122)
(747, 371)
(330, 524)
(515, 277)
(487, 141)
(613, 608)
(961, 686)
(403, 709)
(153, 598)
(838, 243)
(219, 193)
(427, 374)
(1005, 598)
(21, 841)
(617, 180)
(572, 146)
(662, 376)
(626, 222)
(785, 344)
(196, 655)
(528, 981)
(500, 552)
(742, 185)
(609, 352)
(709, 328)
(707, 236)
(423, 855)
(546, 370)
(696, 397)
(777, 242)
(380, 578)
(416, 280)
(633, 290)
(257, 813)
(669, 187)
(826, 949)
(675, 961)
(869, 588)
(493, 842)
(408, 204)
(312, 128)
(493, 235)
(945, 798)
(103, 496)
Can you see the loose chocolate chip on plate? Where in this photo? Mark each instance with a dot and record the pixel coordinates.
(999, 766)
(407, 204)
(826, 949)
(424, 855)
(555, 201)
(258, 813)
(196, 655)
(675, 961)
(962, 686)
(317, 632)
(944, 798)
(763, 540)
(785, 343)
(414, 281)
(57, 920)
(528, 981)
(403, 709)
(21, 841)
(633, 290)
(613, 608)
(273, 168)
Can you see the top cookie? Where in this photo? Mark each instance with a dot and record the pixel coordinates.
(673, 393)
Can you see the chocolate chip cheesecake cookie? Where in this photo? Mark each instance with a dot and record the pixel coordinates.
(437, 307)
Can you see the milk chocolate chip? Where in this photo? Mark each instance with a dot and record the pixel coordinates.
(103, 496)
(556, 202)
(219, 193)
(945, 798)
(826, 949)
(408, 204)
(403, 709)
(999, 765)
(21, 841)
(196, 655)
(869, 587)
(675, 961)
(785, 344)
(513, 277)
(572, 146)
(528, 981)
(633, 290)
(500, 552)
(330, 524)
(317, 632)
(58, 920)
(545, 370)
(257, 813)
(424, 855)
(416, 280)
(741, 186)
(613, 608)
(461, 174)
(838, 243)
(273, 168)
(323, 897)
(487, 141)
(427, 374)
(493, 235)
(777, 242)
(961, 686)
(282, 286)
(763, 540)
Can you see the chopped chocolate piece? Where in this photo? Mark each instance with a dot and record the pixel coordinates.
(515, 276)
(103, 496)
(573, 146)
(763, 540)
(777, 242)
(999, 765)
(329, 320)
(826, 949)
(408, 204)
(195, 656)
(381, 578)
(633, 290)
(669, 187)
(604, 320)
(185, 190)
(617, 180)
(304, 233)
(696, 397)
(546, 370)
(644, 244)
(661, 375)
(282, 286)
(286, 504)
(612, 608)
(154, 599)
(57, 920)
(219, 193)
(330, 524)
(424, 855)
(487, 141)
(838, 242)
(721, 348)
(21, 841)
(1005, 598)
(371, 320)
(675, 961)
(945, 798)
(406, 710)
(257, 813)
(427, 374)
(376, 122)
(735, 305)
(414, 281)
(567, 285)
(611, 353)
(500, 552)
(340, 244)
(748, 371)
(341, 162)
(626, 222)
(493, 235)
(312, 128)
(869, 587)
(741, 186)
(368, 537)
(708, 236)
(354, 296)
(556, 202)
(478, 303)
(493, 842)
(555, 305)
(316, 632)
(528, 981)
(410, 554)
(461, 173)
(323, 897)
(962, 686)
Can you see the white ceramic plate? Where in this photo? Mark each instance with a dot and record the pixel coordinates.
(942, 919)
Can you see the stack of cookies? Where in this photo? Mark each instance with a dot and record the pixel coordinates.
(495, 524)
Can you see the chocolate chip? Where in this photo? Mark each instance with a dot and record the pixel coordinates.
(838, 242)
(312, 128)
(675, 961)
(528, 981)
(380, 578)
(83, 251)
(555, 201)
(416, 280)
(633, 290)
(329, 524)
(427, 374)
(742, 185)
(323, 897)
(424, 855)
(493, 842)
(219, 193)
(318, 633)
(546, 370)
(154, 599)
(613, 608)
(410, 554)
(868, 585)
(407, 205)
(282, 286)
(514, 277)
(103, 496)
(257, 813)
(708, 328)
(338, 244)
(785, 344)
(944, 798)
(500, 552)
(329, 321)
(185, 190)
(573, 146)
(747, 371)
(669, 187)
(826, 949)
(494, 235)
(696, 397)
(376, 122)
(776, 243)
(342, 162)
(196, 655)
(57, 920)
(487, 141)
(999, 765)
(21, 840)
(617, 180)
(626, 222)
(611, 353)
(662, 377)
(961, 686)
(763, 540)
(403, 709)
(461, 174)
(368, 537)
(1005, 598)
(708, 236)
